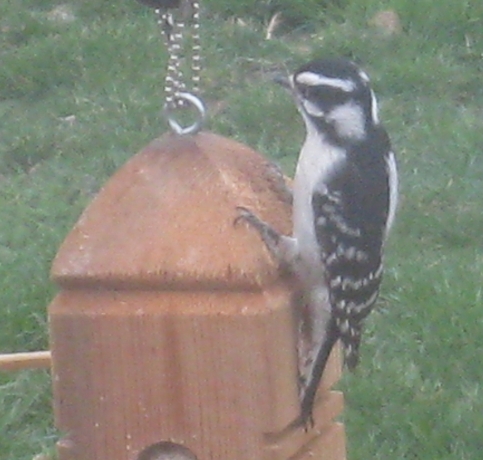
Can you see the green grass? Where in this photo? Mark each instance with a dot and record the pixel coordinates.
(418, 393)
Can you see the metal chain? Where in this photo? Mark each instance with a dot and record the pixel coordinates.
(196, 57)
(174, 30)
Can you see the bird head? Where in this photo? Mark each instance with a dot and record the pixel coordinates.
(334, 96)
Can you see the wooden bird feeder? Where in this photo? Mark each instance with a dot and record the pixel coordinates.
(172, 326)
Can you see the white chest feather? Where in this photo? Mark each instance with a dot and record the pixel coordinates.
(316, 161)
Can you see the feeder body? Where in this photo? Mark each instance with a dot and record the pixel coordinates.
(172, 324)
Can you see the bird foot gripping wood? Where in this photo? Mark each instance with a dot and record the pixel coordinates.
(304, 420)
(269, 236)
(282, 248)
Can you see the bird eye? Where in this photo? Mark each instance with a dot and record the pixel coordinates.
(305, 91)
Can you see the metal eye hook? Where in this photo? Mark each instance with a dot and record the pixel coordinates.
(193, 101)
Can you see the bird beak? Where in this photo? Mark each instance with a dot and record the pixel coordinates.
(283, 80)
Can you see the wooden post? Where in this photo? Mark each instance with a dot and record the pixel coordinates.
(172, 325)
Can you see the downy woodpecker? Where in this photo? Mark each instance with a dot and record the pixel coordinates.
(344, 202)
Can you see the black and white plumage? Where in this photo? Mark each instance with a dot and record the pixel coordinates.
(344, 202)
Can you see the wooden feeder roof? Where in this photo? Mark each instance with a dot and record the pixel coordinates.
(166, 219)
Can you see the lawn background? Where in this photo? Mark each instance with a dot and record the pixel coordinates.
(81, 92)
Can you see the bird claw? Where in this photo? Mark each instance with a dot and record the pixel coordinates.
(268, 235)
(305, 421)
(308, 422)
(248, 216)
(244, 214)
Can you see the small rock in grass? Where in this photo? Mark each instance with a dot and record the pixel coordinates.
(387, 21)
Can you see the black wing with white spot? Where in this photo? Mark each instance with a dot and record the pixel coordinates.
(350, 214)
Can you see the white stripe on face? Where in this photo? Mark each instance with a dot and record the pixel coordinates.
(313, 79)
(364, 76)
(374, 109)
(393, 190)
